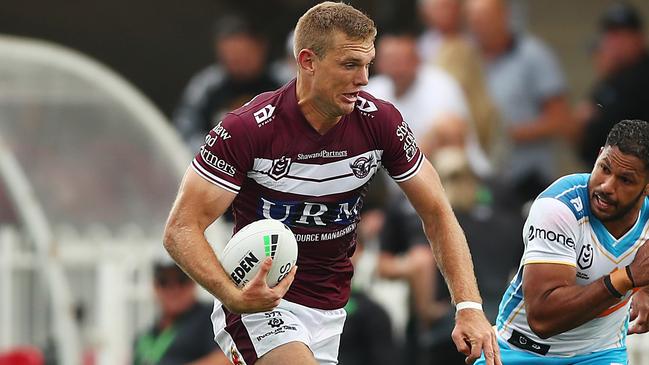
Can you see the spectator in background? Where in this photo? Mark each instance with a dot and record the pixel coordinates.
(427, 97)
(367, 335)
(240, 73)
(623, 65)
(486, 217)
(527, 86)
(182, 334)
(445, 44)
(285, 68)
(443, 21)
(433, 104)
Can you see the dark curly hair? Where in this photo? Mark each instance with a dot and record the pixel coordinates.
(632, 138)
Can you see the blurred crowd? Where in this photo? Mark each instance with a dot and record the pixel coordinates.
(488, 104)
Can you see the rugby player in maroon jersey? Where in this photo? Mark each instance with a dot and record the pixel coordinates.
(304, 154)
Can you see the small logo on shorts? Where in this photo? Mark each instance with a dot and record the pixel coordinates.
(275, 322)
(234, 356)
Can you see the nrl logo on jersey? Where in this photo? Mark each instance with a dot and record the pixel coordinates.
(280, 168)
(264, 115)
(585, 259)
(365, 105)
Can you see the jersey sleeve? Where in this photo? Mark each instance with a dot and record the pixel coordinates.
(227, 154)
(550, 233)
(401, 156)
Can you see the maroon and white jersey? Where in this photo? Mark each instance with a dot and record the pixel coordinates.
(282, 168)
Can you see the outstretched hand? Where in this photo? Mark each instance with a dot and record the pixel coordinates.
(256, 295)
(639, 316)
(473, 335)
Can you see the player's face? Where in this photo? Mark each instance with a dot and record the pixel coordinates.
(341, 73)
(617, 186)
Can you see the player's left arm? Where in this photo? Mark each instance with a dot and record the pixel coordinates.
(473, 333)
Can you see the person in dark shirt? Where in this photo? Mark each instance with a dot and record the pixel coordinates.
(241, 72)
(182, 334)
(367, 336)
(621, 94)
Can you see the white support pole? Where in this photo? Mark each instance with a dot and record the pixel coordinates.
(112, 314)
(66, 331)
(7, 245)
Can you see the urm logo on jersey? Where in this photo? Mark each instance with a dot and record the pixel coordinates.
(307, 214)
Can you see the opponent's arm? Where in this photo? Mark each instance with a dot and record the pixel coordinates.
(472, 333)
(555, 303)
(198, 204)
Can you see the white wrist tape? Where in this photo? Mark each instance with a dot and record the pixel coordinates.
(467, 305)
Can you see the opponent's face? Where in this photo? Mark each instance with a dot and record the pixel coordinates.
(617, 186)
(341, 73)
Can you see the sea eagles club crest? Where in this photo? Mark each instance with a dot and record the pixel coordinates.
(362, 166)
(280, 168)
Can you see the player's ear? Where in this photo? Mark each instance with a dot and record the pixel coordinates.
(305, 60)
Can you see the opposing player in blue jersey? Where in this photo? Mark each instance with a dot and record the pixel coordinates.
(584, 272)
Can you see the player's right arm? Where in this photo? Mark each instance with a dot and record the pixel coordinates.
(198, 204)
(554, 302)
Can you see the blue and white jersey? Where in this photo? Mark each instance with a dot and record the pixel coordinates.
(560, 229)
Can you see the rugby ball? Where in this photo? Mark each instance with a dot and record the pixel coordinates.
(248, 248)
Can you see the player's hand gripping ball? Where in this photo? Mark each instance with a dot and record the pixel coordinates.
(248, 248)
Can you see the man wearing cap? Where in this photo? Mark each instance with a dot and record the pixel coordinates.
(182, 334)
(622, 94)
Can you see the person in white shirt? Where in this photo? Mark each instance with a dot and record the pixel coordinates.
(429, 99)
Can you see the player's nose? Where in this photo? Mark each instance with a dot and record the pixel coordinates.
(608, 185)
(362, 77)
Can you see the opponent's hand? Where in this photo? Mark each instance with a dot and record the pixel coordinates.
(640, 266)
(473, 335)
(639, 316)
(256, 295)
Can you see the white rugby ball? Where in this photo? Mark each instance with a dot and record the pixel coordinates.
(249, 247)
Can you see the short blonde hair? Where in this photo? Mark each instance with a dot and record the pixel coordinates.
(315, 28)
